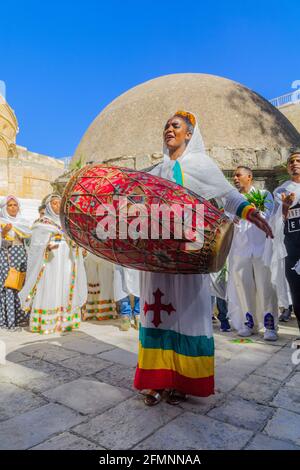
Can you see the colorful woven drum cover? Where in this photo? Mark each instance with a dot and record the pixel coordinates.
(96, 186)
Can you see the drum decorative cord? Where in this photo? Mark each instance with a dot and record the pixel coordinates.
(94, 188)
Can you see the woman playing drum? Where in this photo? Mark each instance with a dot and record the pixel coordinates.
(176, 346)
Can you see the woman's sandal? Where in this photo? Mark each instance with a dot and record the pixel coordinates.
(152, 397)
(175, 398)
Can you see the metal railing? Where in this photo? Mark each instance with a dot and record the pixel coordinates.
(289, 98)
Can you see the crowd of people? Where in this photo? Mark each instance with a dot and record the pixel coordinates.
(51, 284)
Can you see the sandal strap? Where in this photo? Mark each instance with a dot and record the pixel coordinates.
(154, 394)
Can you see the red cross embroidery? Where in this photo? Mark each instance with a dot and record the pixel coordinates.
(157, 307)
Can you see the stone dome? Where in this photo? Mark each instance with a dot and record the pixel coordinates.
(230, 115)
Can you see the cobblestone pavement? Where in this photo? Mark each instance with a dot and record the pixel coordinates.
(74, 391)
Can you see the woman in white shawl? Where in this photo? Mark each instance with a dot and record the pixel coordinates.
(14, 231)
(56, 285)
(176, 350)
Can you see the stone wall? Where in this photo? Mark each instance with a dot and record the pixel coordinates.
(265, 163)
(28, 174)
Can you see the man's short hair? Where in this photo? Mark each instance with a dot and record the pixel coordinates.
(246, 168)
(294, 151)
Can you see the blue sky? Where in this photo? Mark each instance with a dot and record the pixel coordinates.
(64, 61)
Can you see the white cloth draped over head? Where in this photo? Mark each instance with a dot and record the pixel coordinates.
(19, 225)
(49, 212)
(200, 174)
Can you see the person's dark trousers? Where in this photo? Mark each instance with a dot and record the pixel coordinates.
(294, 282)
(222, 309)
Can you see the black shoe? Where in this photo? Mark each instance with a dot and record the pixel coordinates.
(225, 326)
(285, 316)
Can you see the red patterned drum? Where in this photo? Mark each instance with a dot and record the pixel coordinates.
(116, 213)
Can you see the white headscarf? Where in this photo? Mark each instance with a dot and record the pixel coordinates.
(19, 225)
(49, 212)
(201, 174)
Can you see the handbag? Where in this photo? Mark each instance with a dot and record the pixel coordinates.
(15, 279)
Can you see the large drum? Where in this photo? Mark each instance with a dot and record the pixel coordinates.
(121, 215)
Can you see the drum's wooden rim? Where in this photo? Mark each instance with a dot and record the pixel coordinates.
(221, 246)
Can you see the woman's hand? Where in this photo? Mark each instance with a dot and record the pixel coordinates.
(256, 219)
(6, 229)
(51, 247)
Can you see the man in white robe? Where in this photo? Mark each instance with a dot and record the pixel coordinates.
(252, 297)
(286, 222)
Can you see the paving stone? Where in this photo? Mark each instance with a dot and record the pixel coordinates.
(274, 371)
(263, 442)
(15, 400)
(12, 372)
(118, 375)
(224, 344)
(201, 405)
(88, 396)
(67, 441)
(120, 356)
(260, 345)
(248, 361)
(294, 381)
(85, 346)
(85, 364)
(16, 357)
(251, 373)
(125, 425)
(48, 352)
(257, 388)
(226, 377)
(283, 358)
(242, 413)
(197, 432)
(131, 346)
(284, 425)
(31, 428)
(288, 398)
(36, 375)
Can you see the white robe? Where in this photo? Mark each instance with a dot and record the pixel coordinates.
(126, 282)
(250, 290)
(100, 277)
(275, 251)
(55, 287)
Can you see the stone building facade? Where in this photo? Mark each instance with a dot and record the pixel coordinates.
(23, 173)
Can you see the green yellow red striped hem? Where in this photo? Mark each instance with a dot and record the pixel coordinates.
(157, 338)
(188, 366)
(164, 378)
